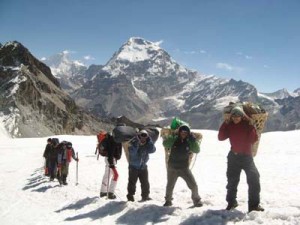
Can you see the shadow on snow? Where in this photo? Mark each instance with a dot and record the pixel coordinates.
(216, 217)
(79, 204)
(149, 213)
(106, 210)
(36, 179)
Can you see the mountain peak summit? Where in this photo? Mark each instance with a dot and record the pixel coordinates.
(142, 41)
(137, 49)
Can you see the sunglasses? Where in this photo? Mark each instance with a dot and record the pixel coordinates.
(143, 135)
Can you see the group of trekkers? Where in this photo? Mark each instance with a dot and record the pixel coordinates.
(57, 159)
(180, 145)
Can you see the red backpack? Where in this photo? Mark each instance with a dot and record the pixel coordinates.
(102, 143)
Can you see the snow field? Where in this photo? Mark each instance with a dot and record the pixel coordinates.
(27, 196)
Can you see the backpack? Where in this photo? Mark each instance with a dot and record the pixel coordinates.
(103, 138)
(69, 152)
(123, 133)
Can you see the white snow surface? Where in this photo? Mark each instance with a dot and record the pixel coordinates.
(17, 80)
(27, 197)
(134, 51)
(142, 95)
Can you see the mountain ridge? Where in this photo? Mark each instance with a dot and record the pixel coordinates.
(154, 88)
(32, 101)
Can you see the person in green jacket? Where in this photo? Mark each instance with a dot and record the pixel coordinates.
(181, 146)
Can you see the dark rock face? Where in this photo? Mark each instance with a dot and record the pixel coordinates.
(32, 98)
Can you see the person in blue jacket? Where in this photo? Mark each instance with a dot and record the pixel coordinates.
(139, 149)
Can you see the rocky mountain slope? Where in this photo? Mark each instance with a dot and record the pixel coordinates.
(32, 101)
(142, 82)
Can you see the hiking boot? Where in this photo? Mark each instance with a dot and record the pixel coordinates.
(144, 199)
(231, 206)
(103, 194)
(111, 195)
(256, 208)
(130, 198)
(198, 204)
(64, 179)
(168, 203)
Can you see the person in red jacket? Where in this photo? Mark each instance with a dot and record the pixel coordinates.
(242, 136)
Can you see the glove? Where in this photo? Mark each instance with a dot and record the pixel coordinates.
(77, 160)
(112, 166)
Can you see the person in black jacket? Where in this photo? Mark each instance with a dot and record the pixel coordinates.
(46, 156)
(53, 158)
(110, 177)
(181, 145)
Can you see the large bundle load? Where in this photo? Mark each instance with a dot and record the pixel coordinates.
(124, 134)
(173, 130)
(256, 115)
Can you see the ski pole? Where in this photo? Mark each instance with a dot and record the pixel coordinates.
(108, 177)
(77, 168)
(45, 167)
(59, 174)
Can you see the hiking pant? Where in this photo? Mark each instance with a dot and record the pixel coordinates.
(110, 178)
(65, 169)
(64, 172)
(187, 176)
(142, 175)
(236, 163)
(53, 168)
(47, 166)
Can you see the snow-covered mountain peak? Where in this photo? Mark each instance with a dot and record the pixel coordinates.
(296, 92)
(140, 53)
(138, 49)
(280, 94)
(62, 64)
(14, 44)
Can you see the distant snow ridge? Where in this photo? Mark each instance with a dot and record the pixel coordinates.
(61, 64)
(280, 94)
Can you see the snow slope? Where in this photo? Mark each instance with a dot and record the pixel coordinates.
(27, 197)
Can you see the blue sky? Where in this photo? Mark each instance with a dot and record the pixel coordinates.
(256, 41)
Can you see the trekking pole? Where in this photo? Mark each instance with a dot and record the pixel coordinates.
(45, 168)
(60, 175)
(108, 177)
(77, 168)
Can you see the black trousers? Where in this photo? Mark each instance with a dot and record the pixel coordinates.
(142, 175)
(53, 168)
(236, 163)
